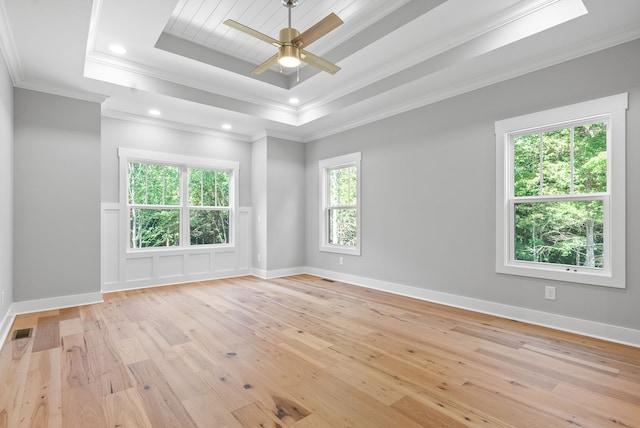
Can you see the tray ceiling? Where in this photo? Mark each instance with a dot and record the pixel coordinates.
(395, 56)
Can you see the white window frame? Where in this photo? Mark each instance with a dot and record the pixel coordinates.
(326, 165)
(613, 274)
(126, 156)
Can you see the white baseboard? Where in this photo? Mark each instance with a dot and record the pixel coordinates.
(623, 335)
(612, 333)
(278, 273)
(5, 324)
(163, 282)
(28, 306)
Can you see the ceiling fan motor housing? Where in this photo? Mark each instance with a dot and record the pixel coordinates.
(288, 49)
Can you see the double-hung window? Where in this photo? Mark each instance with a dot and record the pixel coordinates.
(153, 196)
(177, 201)
(340, 204)
(561, 193)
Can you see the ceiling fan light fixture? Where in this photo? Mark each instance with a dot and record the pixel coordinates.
(289, 56)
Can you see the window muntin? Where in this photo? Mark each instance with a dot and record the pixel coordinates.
(172, 204)
(564, 166)
(340, 202)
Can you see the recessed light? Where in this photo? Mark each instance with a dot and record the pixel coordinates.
(154, 112)
(117, 49)
(294, 101)
(226, 126)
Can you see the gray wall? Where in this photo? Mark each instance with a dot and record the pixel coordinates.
(121, 133)
(428, 191)
(6, 188)
(278, 205)
(285, 204)
(57, 196)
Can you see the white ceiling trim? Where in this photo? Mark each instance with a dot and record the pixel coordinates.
(454, 39)
(56, 89)
(548, 59)
(116, 114)
(101, 66)
(8, 48)
(352, 30)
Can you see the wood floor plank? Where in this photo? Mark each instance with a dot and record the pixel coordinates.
(256, 415)
(14, 368)
(162, 406)
(47, 333)
(125, 409)
(304, 352)
(112, 373)
(41, 404)
(206, 411)
(425, 415)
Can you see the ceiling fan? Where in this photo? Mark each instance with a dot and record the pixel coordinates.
(290, 46)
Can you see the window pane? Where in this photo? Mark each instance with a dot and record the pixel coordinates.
(154, 184)
(556, 162)
(526, 165)
(568, 233)
(154, 228)
(137, 189)
(342, 227)
(209, 227)
(208, 188)
(221, 188)
(342, 186)
(171, 185)
(590, 158)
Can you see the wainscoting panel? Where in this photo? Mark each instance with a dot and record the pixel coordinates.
(225, 262)
(199, 263)
(122, 269)
(139, 268)
(169, 266)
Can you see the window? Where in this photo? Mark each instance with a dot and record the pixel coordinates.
(208, 206)
(154, 205)
(175, 201)
(340, 204)
(561, 193)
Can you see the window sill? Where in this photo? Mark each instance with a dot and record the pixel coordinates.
(580, 275)
(145, 252)
(340, 250)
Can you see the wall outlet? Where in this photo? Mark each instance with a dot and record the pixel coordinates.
(550, 292)
(341, 261)
(1, 299)
(259, 258)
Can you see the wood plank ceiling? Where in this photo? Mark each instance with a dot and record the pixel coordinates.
(201, 22)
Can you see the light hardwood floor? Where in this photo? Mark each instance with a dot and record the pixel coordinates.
(304, 352)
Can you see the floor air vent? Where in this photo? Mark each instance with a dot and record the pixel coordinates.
(22, 333)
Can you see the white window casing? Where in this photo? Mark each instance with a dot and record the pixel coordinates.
(611, 110)
(126, 156)
(325, 167)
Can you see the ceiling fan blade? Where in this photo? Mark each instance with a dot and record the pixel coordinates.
(321, 63)
(250, 31)
(319, 29)
(266, 65)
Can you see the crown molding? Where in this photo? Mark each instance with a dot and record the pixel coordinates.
(130, 117)
(532, 64)
(8, 48)
(62, 91)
